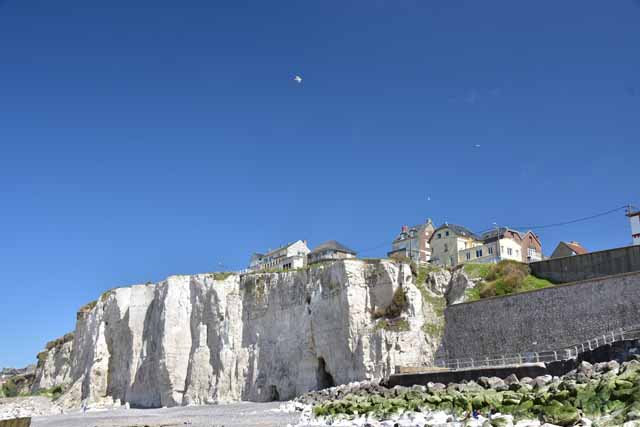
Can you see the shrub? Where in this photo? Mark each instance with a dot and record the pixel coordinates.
(53, 392)
(399, 325)
(397, 306)
(221, 275)
(10, 389)
(505, 278)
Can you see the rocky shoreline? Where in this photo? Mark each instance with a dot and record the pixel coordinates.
(604, 394)
(31, 406)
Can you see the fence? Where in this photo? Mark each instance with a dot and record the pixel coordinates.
(548, 356)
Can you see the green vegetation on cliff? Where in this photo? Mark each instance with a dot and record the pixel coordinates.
(503, 278)
(437, 303)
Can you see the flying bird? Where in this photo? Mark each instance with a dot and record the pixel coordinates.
(298, 79)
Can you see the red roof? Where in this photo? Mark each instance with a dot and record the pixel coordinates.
(576, 247)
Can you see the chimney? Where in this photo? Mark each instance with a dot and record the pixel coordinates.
(405, 228)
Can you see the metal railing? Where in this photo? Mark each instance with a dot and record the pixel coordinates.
(548, 356)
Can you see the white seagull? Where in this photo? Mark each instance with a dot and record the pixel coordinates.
(298, 79)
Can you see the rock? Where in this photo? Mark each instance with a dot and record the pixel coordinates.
(613, 366)
(527, 380)
(631, 424)
(493, 383)
(557, 413)
(542, 380)
(511, 380)
(435, 387)
(194, 339)
(501, 422)
(438, 281)
(585, 368)
(582, 378)
(459, 284)
(471, 386)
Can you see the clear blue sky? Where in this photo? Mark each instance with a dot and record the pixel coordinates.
(168, 137)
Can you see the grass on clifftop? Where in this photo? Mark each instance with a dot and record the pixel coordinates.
(503, 278)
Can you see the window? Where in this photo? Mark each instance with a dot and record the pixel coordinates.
(478, 253)
(509, 251)
(517, 252)
(502, 249)
(468, 256)
(446, 247)
(451, 260)
(532, 252)
(446, 233)
(490, 250)
(439, 235)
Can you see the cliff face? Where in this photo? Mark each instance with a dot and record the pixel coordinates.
(196, 339)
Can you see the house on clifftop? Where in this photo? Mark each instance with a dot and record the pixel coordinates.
(452, 245)
(565, 249)
(330, 251)
(448, 240)
(292, 255)
(413, 243)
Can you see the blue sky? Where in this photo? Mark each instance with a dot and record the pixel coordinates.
(168, 137)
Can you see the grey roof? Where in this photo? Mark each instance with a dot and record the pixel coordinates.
(333, 245)
(492, 233)
(458, 229)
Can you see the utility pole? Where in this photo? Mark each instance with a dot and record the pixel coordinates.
(497, 242)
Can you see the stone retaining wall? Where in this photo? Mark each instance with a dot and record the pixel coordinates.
(546, 319)
(588, 266)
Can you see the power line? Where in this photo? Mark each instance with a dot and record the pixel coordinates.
(573, 221)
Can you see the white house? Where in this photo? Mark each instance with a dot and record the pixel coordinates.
(634, 218)
(497, 245)
(413, 243)
(291, 256)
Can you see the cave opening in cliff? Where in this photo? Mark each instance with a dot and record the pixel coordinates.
(324, 378)
(273, 393)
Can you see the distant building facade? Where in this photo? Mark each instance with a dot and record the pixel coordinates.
(634, 218)
(565, 249)
(454, 244)
(531, 247)
(495, 246)
(413, 243)
(291, 256)
(448, 240)
(330, 251)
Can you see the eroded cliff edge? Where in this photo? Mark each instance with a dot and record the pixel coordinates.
(205, 338)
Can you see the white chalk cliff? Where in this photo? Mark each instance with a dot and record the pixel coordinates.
(194, 339)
